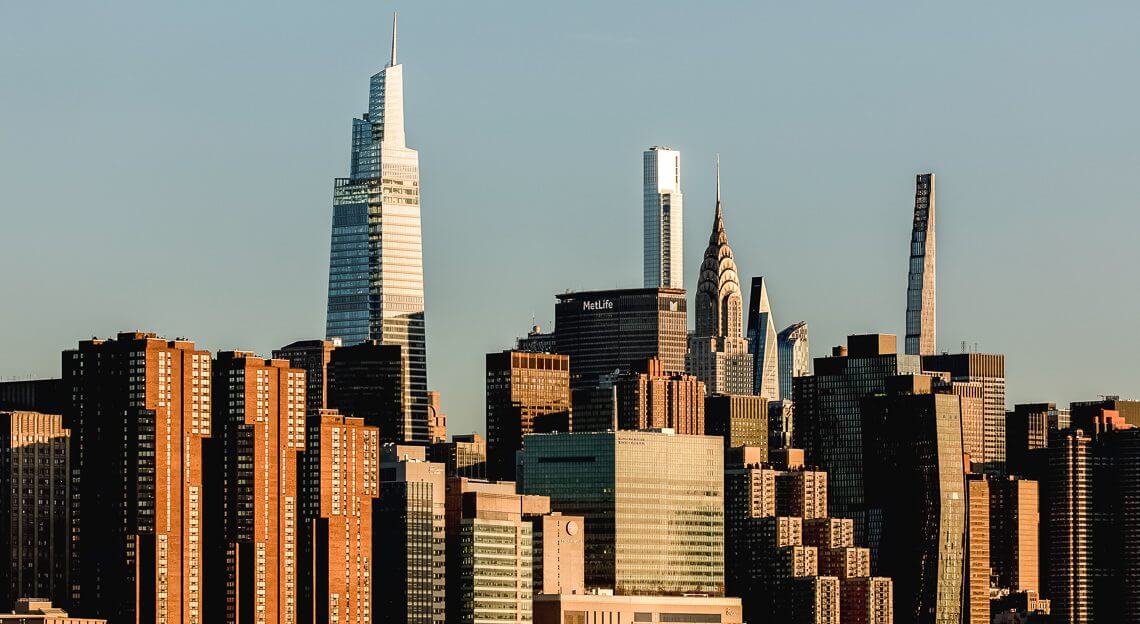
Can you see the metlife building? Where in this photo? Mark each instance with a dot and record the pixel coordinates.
(604, 331)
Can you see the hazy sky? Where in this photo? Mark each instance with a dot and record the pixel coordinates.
(169, 167)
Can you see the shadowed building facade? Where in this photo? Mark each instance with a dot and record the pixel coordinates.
(139, 411)
(916, 498)
(35, 507)
(828, 417)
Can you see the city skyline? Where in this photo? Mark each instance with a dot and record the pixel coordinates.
(876, 270)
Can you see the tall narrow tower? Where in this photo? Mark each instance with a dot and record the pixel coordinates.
(920, 295)
(663, 218)
(376, 284)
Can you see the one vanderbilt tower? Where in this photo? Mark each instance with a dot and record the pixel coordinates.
(663, 218)
(376, 277)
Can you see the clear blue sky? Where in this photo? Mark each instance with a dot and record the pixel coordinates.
(169, 167)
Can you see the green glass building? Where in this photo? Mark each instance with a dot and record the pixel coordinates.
(653, 504)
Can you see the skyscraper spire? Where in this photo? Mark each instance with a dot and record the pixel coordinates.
(393, 62)
(718, 186)
(718, 351)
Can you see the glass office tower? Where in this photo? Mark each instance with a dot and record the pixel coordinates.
(663, 218)
(653, 502)
(376, 286)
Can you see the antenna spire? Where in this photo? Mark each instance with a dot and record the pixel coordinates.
(393, 63)
(718, 184)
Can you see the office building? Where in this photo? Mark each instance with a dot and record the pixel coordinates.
(652, 503)
(718, 350)
(781, 424)
(1118, 529)
(41, 611)
(595, 407)
(867, 600)
(337, 564)
(989, 369)
(916, 497)
(464, 456)
(254, 519)
(976, 601)
(376, 274)
(814, 600)
(365, 381)
(742, 420)
(35, 507)
(764, 344)
(311, 356)
(33, 395)
(828, 417)
(437, 419)
(1129, 410)
(1026, 432)
(921, 325)
(490, 537)
(971, 394)
(649, 398)
(612, 330)
(409, 584)
(526, 393)
(1067, 511)
(794, 355)
(537, 341)
(138, 401)
(663, 218)
(601, 607)
(559, 554)
(1015, 525)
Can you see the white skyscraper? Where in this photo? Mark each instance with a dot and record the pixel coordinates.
(376, 275)
(663, 218)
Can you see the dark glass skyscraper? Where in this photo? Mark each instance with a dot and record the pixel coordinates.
(828, 422)
(376, 283)
(916, 497)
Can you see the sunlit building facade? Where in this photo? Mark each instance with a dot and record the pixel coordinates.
(652, 501)
(663, 216)
(718, 350)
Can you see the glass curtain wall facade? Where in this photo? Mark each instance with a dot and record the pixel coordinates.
(794, 356)
(663, 218)
(376, 289)
(653, 504)
(762, 341)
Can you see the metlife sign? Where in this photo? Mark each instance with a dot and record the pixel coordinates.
(598, 305)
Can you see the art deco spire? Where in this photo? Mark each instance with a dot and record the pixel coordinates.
(718, 301)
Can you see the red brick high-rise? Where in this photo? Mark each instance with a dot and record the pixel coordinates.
(346, 454)
(259, 417)
(138, 408)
